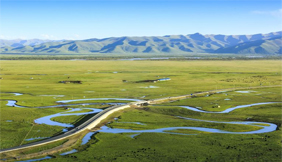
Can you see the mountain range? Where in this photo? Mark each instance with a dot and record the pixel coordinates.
(20, 42)
(270, 43)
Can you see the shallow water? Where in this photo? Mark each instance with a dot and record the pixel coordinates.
(82, 104)
(268, 127)
(134, 135)
(46, 157)
(13, 103)
(118, 99)
(229, 109)
(271, 127)
(31, 139)
(265, 128)
(16, 94)
(106, 129)
(87, 137)
(153, 86)
(69, 152)
(65, 130)
(47, 119)
(150, 87)
(244, 91)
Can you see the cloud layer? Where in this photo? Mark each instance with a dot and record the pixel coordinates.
(275, 13)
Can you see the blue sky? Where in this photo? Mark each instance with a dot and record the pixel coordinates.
(83, 19)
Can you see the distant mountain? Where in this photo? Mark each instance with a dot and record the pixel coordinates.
(21, 42)
(193, 43)
(269, 46)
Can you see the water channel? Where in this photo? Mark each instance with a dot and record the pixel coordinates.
(265, 127)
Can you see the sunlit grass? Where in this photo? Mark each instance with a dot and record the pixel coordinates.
(37, 78)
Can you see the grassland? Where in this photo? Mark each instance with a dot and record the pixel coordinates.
(200, 147)
(163, 147)
(99, 80)
(231, 99)
(103, 79)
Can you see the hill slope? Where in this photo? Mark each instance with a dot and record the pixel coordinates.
(192, 43)
(269, 46)
(21, 42)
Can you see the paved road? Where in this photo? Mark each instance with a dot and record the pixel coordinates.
(92, 122)
(84, 126)
(167, 99)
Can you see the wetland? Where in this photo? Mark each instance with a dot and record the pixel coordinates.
(188, 127)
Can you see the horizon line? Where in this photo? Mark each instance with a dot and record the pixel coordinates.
(141, 36)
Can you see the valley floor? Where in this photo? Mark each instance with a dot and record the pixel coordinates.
(38, 82)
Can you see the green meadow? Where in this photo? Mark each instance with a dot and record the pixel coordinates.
(39, 83)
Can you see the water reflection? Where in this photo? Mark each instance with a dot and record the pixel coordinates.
(31, 139)
(12, 103)
(31, 160)
(134, 135)
(69, 152)
(230, 109)
(265, 127)
(93, 99)
(244, 91)
(47, 119)
(14, 93)
(87, 137)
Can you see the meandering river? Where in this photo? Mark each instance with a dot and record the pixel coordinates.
(265, 127)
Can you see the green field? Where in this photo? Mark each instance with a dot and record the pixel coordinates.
(39, 83)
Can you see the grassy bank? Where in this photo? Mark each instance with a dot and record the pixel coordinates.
(39, 83)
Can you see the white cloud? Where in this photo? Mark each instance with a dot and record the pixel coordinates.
(73, 37)
(47, 36)
(3, 37)
(275, 13)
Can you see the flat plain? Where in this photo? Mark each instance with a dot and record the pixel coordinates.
(39, 82)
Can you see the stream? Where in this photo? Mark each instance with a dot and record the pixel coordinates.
(265, 127)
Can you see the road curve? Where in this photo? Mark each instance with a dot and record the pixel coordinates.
(89, 124)
(95, 120)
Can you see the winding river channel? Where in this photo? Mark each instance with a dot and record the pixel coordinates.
(264, 127)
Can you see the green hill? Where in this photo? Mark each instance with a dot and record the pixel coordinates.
(192, 43)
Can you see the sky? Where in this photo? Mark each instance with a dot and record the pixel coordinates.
(84, 19)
